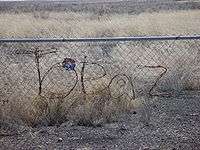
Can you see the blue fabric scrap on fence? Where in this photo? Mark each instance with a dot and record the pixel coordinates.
(69, 64)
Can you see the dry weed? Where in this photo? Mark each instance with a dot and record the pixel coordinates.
(83, 25)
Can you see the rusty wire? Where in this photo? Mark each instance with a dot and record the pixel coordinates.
(129, 81)
(137, 50)
(157, 80)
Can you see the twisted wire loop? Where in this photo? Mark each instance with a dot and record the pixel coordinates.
(129, 81)
(99, 65)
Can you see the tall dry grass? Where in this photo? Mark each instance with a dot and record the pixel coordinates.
(72, 24)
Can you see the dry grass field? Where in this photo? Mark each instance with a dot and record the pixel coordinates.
(115, 80)
(70, 24)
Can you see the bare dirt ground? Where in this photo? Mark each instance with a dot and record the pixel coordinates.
(163, 124)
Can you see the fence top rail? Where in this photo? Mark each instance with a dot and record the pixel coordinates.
(101, 39)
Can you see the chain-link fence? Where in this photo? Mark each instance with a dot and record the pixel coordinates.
(155, 66)
(46, 74)
(115, 67)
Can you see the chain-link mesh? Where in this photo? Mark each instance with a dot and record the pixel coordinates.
(136, 68)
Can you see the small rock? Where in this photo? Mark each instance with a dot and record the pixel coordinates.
(67, 124)
(42, 131)
(40, 146)
(112, 126)
(144, 148)
(60, 140)
(194, 114)
(134, 112)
